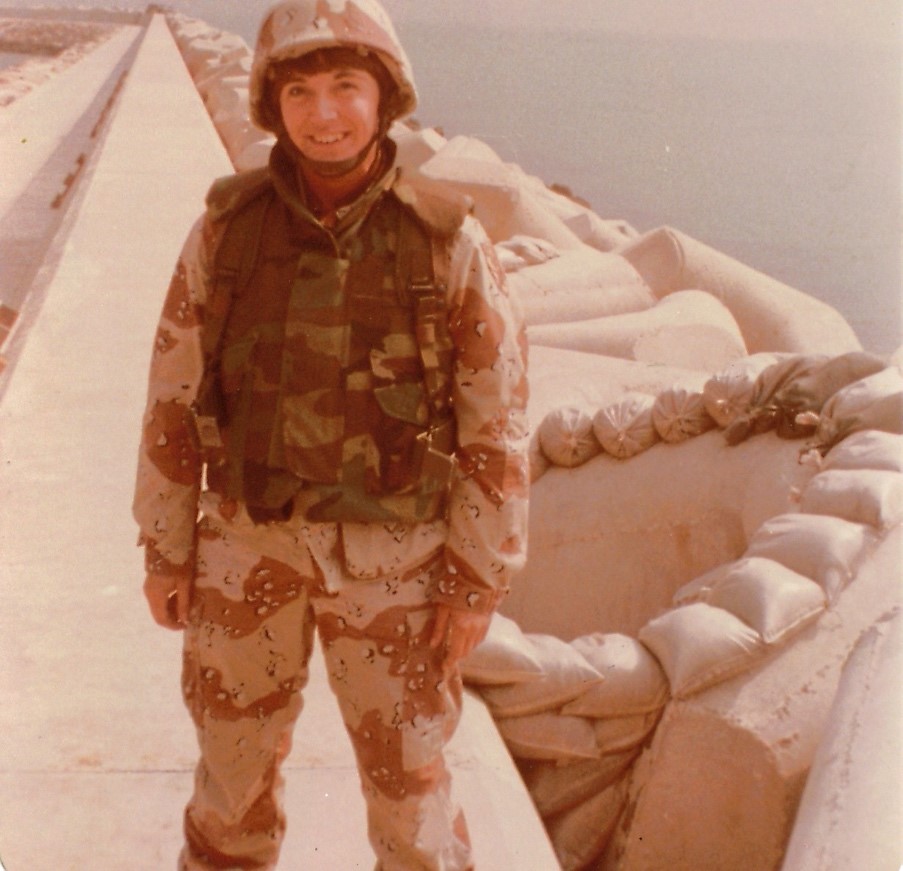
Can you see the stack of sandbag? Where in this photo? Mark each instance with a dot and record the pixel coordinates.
(574, 716)
(794, 394)
(753, 651)
(590, 384)
(796, 566)
(788, 395)
(220, 65)
(570, 435)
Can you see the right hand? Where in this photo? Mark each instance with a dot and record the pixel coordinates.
(168, 597)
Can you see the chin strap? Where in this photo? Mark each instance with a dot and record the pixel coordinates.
(338, 168)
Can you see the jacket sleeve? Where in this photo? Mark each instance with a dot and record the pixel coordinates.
(489, 499)
(169, 467)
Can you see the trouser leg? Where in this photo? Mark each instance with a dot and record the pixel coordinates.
(400, 708)
(245, 663)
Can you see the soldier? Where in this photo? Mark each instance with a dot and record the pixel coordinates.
(334, 442)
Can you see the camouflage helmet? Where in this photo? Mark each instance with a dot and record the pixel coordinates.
(297, 27)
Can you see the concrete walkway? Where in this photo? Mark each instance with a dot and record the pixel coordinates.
(97, 751)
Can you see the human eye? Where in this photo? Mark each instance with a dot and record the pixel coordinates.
(294, 90)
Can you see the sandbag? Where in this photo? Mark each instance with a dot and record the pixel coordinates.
(549, 736)
(679, 414)
(807, 394)
(625, 428)
(504, 656)
(580, 835)
(875, 402)
(728, 394)
(556, 787)
(617, 734)
(634, 681)
(772, 599)
(561, 377)
(566, 674)
(699, 645)
(690, 329)
(867, 449)
(566, 437)
(859, 495)
(762, 415)
(825, 549)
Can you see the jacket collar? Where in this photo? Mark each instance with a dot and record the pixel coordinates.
(289, 188)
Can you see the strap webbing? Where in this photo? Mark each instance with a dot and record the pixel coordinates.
(415, 281)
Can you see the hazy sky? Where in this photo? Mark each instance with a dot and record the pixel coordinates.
(817, 20)
(820, 20)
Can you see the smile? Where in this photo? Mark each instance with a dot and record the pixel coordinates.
(329, 139)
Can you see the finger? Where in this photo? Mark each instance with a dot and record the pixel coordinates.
(163, 613)
(440, 627)
(183, 599)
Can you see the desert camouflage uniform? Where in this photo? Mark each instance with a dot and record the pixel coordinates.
(369, 589)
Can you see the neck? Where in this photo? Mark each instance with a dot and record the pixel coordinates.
(328, 193)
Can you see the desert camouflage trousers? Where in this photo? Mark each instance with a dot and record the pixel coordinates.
(257, 602)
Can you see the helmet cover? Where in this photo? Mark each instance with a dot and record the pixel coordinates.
(295, 28)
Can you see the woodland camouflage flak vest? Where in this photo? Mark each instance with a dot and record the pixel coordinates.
(328, 367)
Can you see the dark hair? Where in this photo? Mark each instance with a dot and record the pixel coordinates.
(323, 60)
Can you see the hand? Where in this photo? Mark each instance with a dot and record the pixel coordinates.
(460, 631)
(168, 596)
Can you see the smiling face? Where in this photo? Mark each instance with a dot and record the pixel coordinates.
(330, 116)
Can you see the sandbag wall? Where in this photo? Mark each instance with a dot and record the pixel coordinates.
(577, 715)
(577, 755)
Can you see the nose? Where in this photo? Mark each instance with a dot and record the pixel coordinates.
(323, 107)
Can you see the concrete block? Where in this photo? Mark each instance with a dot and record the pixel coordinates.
(851, 814)
(771, 315)
(689, 328)
(720, 784)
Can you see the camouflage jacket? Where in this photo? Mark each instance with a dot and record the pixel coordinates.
(486, 524)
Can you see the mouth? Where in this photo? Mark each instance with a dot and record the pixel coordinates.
(327, 138)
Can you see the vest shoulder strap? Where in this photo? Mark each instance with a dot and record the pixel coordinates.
(417, 285)
(241, 201)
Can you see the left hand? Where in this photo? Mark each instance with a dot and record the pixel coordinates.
(460, 631)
